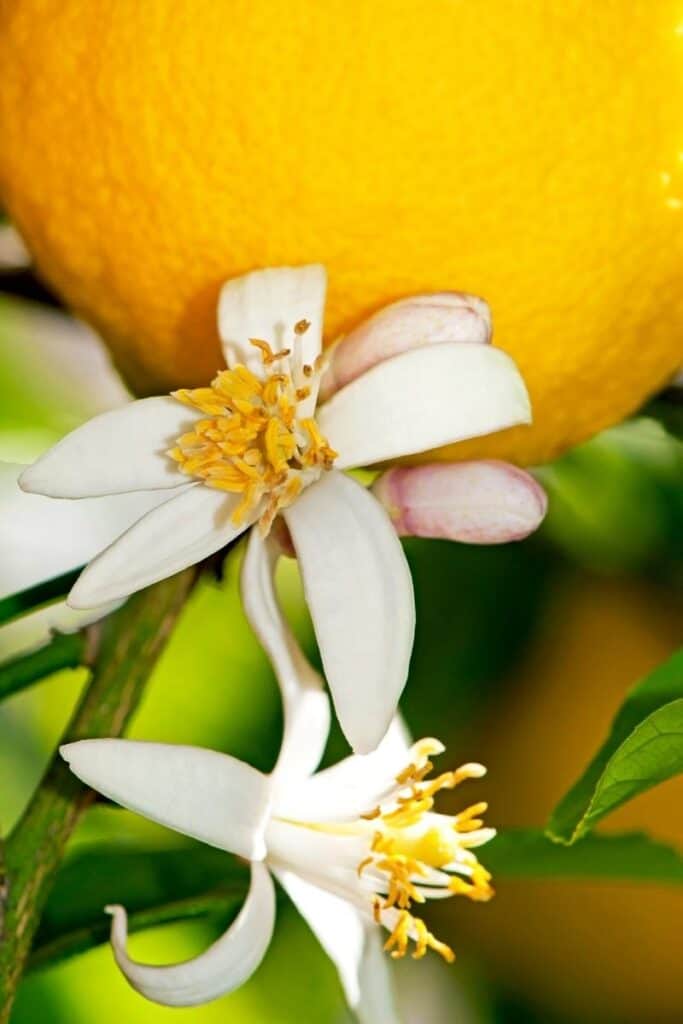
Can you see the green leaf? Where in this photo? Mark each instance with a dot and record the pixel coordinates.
(155, 886)
(65, 651)
(528, 853)
(644, 747)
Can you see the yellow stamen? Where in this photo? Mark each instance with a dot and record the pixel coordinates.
(397, 943)
(251, 442)
(413, 853)
(268, 357)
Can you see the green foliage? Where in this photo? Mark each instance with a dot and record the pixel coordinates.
(644, 747)
(480, 608)
(64, 651)
(528, 853)
(34, 597)
(616, 502)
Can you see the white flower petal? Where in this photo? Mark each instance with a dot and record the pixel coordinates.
(201, 793)
(266, 305)
(347, 939)
(118, 451)
(360, 594)
(305, 704)
(33, 630)
(42, 538)
(328, 859)
(377, 1002)
(226, 965)
(407, 324)
(352, 787)
(422, 399)
(180, 532)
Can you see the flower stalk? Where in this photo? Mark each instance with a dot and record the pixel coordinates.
(122, 652)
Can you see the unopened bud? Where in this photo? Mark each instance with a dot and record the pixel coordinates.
(407, 324)
(484, 502)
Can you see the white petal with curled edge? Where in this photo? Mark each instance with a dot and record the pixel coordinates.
(353, 945)
(225, 965)
(42, 538)
(352, 787)
(118, 451)
(305, 704)
(267, 304)
(200, 793)
(360, 594)
(423, 399)
(179, 533)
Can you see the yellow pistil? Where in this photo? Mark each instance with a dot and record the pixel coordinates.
(408, 847)
(251, 442)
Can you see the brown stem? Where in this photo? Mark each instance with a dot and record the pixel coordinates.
(123, 651)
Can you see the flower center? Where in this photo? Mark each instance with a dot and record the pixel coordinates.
(416, 854)
(251, 441)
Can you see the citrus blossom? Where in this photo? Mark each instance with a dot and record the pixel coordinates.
(357, 846)
(255, 444)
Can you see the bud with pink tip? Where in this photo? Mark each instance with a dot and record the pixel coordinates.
(484, 502)
(407, 324)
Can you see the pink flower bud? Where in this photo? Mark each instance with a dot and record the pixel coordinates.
(409, 323)
(483, 502)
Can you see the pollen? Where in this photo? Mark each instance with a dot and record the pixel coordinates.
(416, 854)
(251, 441)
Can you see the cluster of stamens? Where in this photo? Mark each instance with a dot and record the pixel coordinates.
(407, 851)
(251, 441)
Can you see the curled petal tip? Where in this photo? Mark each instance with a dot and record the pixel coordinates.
(79, 599)
(25, 481)
(485, 502)
(409, 323)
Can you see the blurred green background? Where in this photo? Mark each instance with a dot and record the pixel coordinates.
(523, 654)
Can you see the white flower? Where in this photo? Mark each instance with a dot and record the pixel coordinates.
(357, 846)
(61, 369)
(254, 444)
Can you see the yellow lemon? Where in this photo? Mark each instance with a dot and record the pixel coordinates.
(601, 950)
(528, 152)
